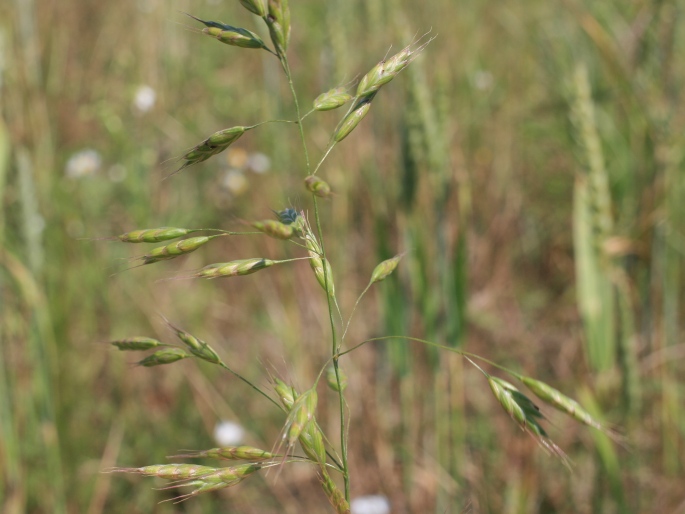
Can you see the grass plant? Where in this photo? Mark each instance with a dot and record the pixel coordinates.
(474, 161)
(300, 425)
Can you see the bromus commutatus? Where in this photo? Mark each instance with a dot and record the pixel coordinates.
(303, 436)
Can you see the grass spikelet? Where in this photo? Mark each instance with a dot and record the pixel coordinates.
(332, 381)
(563, 403)
(278, 21)
(274, 229)
(334, 494)
(254, 6)
(153, 235)
(213, 145)
(234, 36)
(311, 440)
(353, 119)
(385, 268)
(196, 346)
(317, 186)
(169, 471)
(525, 413)
(136, 343)
(173, 250)
(230, 453)
(301, 414)
(320, 266)
(387, 69)
(220, 479)
(234, 268)
(332, 99)
(165, 356)
(286, 394)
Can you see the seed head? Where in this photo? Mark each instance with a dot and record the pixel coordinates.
(173, 250)
(279, 19)
(234, 268)
(138, 343)
(332, 99)
(317, 186)
(254, 6)
(220, 479)
(350, 121)
(234, 36)
(335, 495)
(332, 381)
(231, 453)
(385, 268)
(563, 403)
(312, 443)
(300, 415)
(225, 137)
(285, 393)
(525, 413)
(323, 272)
(213, 145)
(171, 471)
(387, 70)
(196, 346)
(274, 228)
(153, 235)
(165, 356)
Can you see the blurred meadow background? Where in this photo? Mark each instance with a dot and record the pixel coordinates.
(530, 162)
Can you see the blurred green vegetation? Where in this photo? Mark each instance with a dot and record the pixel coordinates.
(530, 162)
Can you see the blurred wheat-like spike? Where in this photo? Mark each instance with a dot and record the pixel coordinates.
(592, 225)
(599, 197)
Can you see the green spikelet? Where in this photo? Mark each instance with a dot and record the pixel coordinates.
(274, 228)
(385, 268)
(153, 235)
(353, 119)
(317, 186)
(332, 99)
(161, 357)
(137, 343)
(254, 6)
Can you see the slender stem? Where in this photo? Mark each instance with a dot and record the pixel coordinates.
(238, 375)
(436, 345)
(335, 346)
(335, 352)
(328, 150)
(269, 121)
(286, 69)
(354, 309)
